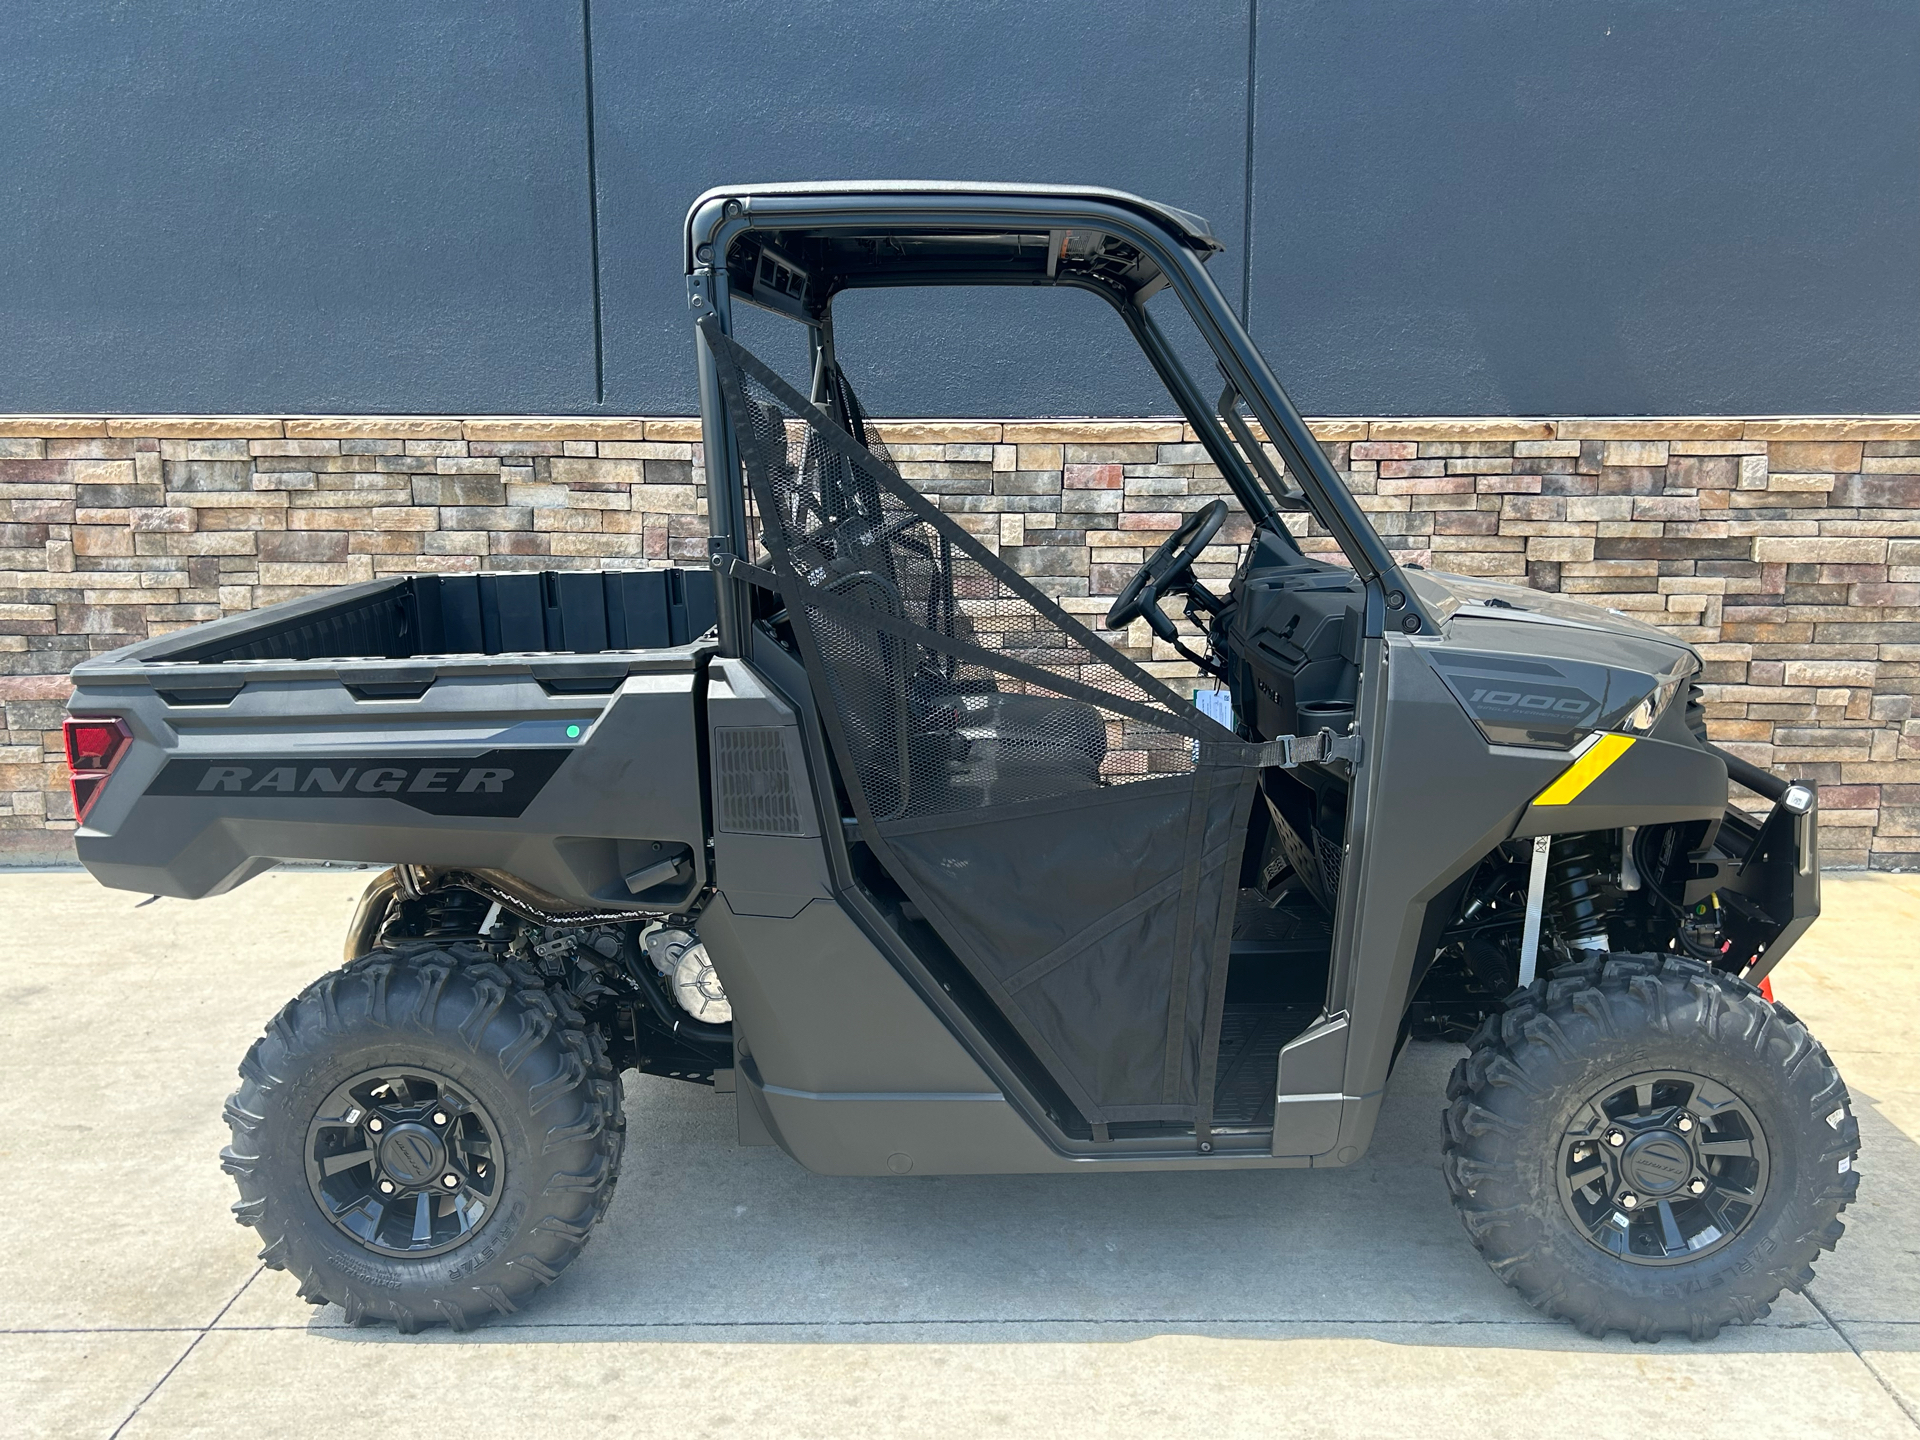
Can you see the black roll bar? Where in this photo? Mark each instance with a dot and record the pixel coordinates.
(717, 220)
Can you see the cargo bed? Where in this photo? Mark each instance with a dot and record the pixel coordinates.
(530, 722)
(579, 612)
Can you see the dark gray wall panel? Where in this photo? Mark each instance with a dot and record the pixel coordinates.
(1514, 208)
(694, 93)
(1483, 207)
(362, 206)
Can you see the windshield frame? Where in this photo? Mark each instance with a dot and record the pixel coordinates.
(719, 220)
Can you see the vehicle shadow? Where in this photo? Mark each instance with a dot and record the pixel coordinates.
(709, 1241)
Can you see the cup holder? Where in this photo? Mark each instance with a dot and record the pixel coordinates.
(1318, 715)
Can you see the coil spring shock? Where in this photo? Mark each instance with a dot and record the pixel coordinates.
(1583, 889)
(452, 912)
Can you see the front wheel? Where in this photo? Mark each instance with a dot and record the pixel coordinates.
(426, 1135)
(1644, 1143)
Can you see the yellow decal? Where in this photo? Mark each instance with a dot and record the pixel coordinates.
(1591, 765)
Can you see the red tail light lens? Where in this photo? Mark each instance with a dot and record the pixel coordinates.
(95, 744)
(94, 747)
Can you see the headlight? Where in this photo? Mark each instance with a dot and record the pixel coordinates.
(1644, 716)
(1649, 710)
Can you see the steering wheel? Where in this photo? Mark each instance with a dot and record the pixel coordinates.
(1163, 571)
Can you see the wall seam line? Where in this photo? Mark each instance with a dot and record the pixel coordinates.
(1246, 211)
(593, 209)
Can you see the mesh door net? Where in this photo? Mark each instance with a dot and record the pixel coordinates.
(1069, 824)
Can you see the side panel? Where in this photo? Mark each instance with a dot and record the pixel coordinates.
(925, 1134)
(1440, 798)
(846, 1067)
(302, 770)
(844, 1134)
(819, 1009)
(850, 1072)
(769, 858)
(1307, 1111)
(1659, 779)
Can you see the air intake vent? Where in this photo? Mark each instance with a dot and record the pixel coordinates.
(754, 780)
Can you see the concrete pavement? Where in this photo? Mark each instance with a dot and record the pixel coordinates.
(730, 1292)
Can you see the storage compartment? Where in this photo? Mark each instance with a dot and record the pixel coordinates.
(1295, 642)
(577, 612)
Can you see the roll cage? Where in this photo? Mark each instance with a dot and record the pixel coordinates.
(792, 248)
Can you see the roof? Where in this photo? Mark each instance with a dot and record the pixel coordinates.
(1192, 229)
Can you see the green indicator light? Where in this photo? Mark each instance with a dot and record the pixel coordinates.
(573, 732)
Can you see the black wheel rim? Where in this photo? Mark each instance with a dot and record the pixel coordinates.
(404, 1161)
(1663, 1167)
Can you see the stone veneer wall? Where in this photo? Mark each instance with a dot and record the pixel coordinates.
(1788, 550)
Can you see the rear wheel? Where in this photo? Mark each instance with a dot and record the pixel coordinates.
(425, 1135)
(1644, 1143)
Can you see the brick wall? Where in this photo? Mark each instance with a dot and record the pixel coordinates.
(1787, 549)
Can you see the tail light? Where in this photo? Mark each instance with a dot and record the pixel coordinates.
(94, 747)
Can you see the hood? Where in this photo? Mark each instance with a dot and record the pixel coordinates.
(1447, 595)
(1535, 669)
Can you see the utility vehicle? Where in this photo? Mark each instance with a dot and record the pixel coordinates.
(858, 825)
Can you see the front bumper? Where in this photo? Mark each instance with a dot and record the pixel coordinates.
(1766, 874)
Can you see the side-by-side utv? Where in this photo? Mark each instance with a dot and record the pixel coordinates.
(858, 825)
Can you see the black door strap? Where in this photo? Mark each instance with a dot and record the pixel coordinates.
(1289, 751)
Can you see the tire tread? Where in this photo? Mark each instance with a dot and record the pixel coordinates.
(1520, 1058)
(416, 988)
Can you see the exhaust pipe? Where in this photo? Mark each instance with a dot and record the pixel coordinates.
(509, 892)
